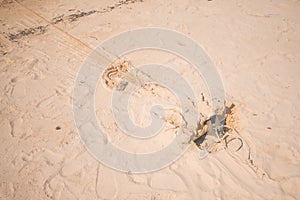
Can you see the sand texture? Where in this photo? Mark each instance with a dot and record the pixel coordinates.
(255, 47)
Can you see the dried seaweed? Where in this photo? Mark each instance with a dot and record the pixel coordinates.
(57, 19)
(75, 16)
(26, 32)
(69, 18)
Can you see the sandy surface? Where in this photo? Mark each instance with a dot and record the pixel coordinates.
(254, 45)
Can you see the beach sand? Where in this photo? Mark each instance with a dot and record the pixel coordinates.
(255, 47)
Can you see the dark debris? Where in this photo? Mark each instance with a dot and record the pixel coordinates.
(70, 18)
(75, 16)
(26, 32)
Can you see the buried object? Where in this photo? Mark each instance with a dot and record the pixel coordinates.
(94, 137)
(212, 131)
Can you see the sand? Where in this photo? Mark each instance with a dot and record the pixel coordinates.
(254, 46)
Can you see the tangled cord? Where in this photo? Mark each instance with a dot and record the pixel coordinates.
(239, 138)
(225, 141)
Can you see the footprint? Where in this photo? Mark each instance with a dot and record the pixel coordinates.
(114, 72)
(7, 190)
(19, 90)
(17, 129)
(53, 187)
